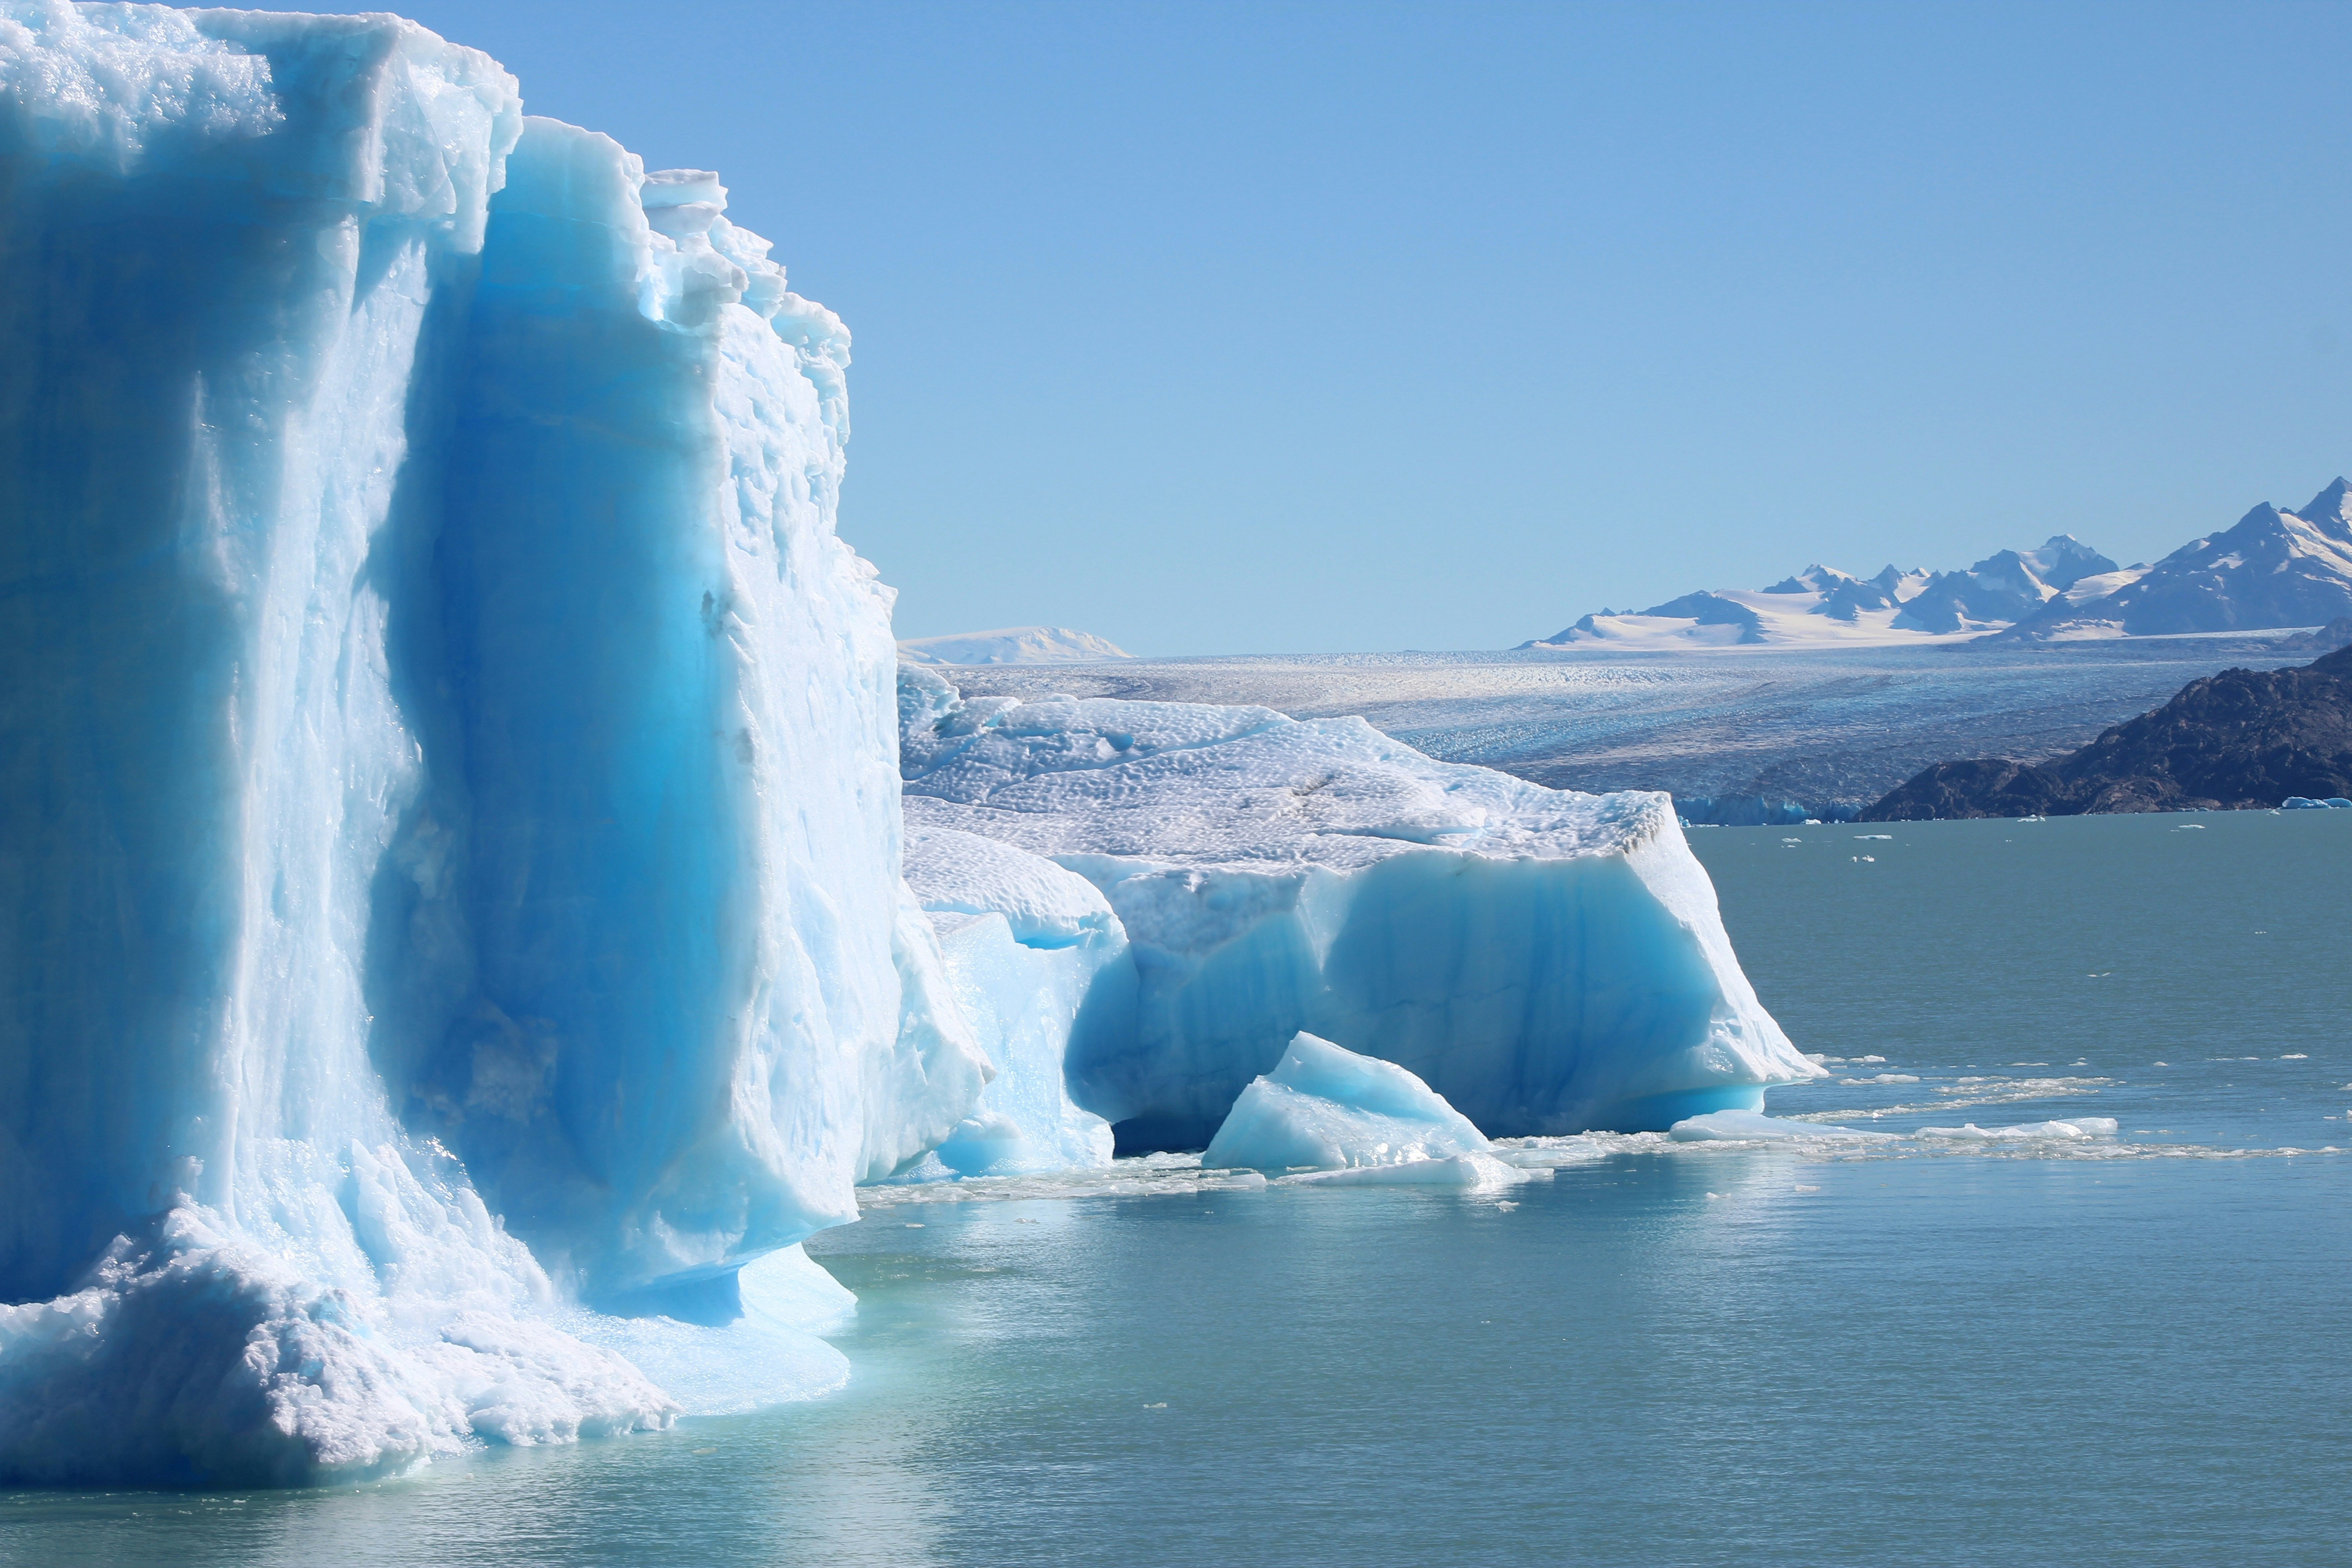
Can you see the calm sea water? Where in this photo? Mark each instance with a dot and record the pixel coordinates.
(2131, 1350)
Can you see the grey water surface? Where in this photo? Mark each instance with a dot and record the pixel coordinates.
(2130, 1348)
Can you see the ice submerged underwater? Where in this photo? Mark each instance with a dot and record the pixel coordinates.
(477, 891)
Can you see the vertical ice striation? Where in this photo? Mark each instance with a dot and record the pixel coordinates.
(674, 688)
(438, 729)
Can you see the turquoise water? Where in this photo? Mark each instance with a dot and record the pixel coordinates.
(2128, 1348)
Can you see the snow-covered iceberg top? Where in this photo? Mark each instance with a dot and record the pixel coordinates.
(1187, 783)
(1548, 961)
(1325, 1108)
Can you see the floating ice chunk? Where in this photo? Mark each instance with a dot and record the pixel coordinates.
(1328, 1106)
(1471, 1171)
(1548, 961)
(2078, 1128)
(1740, 1126)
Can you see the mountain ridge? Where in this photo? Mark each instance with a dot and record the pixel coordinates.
(2273, 569)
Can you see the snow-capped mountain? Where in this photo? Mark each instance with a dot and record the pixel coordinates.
(1822, 606)
(2272, 568)
(2004, 586)
(1012, 645)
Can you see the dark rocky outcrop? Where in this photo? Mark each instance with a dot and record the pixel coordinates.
(2237, 740)
(2335, 634)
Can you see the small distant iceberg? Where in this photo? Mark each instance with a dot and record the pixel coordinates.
(1327, 1108)
(2304, 802)
(2074, 1130)
(1012, 645)
(1750, 1126)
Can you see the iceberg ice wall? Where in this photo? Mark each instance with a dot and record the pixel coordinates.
(674, 702)
(445, 758)
(1547, 962)
(215, 258)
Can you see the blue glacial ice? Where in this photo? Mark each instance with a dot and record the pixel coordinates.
(1325, 1107)
(1028, 946)
(1548, 962)
(450, 869)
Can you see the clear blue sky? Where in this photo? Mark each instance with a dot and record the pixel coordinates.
(1263, 327)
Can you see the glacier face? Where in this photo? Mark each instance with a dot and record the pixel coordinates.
(1547, 962)
(448, 843)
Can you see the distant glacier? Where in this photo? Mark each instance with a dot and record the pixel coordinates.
(1012, 645)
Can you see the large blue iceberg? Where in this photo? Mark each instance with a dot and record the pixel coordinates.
(449, 836)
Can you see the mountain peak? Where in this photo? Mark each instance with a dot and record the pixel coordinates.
(2330, 510)
(1814, 579)
(2063, 560)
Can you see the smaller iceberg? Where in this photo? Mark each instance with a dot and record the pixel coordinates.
(1549, 962)
(1749, 1126)
(2304, 802)
(1325, 1108)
